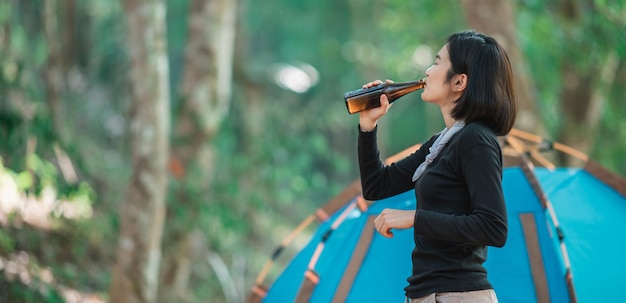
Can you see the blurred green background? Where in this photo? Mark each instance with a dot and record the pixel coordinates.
(257, 132)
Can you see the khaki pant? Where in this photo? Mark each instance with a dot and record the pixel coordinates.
(478, 296)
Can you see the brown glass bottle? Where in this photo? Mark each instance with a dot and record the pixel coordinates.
(366, 98)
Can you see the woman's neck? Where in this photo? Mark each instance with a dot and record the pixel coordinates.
(446, 112)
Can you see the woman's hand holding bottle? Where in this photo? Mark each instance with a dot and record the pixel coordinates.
(368, 119)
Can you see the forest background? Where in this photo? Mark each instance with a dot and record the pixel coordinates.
(158, 151)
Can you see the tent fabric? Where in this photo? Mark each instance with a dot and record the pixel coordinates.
(338, 251)
(564, 245)
(592, 217)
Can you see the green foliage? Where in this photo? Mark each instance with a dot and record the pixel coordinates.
(591, 37)
(69, 249)
(18, 292)
(7, 244)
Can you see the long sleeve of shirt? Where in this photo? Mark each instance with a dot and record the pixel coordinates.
(379, 181)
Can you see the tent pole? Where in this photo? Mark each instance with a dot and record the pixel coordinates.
(556, 145)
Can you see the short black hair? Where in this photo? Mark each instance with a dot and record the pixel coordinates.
(489, 96)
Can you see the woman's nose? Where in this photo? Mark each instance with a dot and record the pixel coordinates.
(428, 70)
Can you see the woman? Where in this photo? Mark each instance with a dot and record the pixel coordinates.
(456, 174)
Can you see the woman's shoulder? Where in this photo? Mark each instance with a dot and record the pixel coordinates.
(480, 128)
(477, 132)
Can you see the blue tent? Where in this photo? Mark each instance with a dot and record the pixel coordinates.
(565, 226)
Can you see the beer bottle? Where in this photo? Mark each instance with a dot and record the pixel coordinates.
(366, 98)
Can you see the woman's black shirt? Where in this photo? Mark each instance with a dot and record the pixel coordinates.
(460, 206)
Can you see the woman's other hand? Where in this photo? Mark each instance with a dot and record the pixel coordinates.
(393, 218)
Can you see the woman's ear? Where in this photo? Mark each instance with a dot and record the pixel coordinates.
(459, 82)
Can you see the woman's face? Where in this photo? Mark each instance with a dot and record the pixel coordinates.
(438, 88)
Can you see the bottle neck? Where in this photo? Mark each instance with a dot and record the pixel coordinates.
(398, 89)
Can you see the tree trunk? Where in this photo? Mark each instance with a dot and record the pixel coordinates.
(205, 90)
(578, 113)
(207, 78)
(135, 275)
(54, 74)
(205, 101)
(581, 101)
(496, 18)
